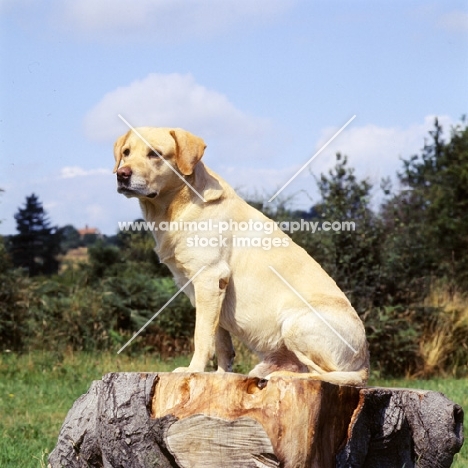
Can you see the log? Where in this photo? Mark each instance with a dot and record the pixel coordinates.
(182, 420)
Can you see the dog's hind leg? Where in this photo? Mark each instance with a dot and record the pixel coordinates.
(325, 354)
(358, 378)
(281, 360)
(224, 350)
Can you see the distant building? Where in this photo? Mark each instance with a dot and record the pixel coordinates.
(89, 231)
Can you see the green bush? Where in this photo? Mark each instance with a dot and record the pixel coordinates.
(14, 303)
(136, 299)
(68, 317)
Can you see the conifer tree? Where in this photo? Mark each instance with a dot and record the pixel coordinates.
(37, 243)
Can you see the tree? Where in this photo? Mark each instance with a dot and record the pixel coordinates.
(37, 243)
(14, 301)
(137, 249)
(350, 256)
(429, 217)
(71, 238)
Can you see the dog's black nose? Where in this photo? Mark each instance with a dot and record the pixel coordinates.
(124, 174)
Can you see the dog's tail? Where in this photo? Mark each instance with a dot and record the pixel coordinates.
(338, 377)
(358, 378)
(354, 378)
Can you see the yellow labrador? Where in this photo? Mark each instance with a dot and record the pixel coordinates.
(244, 277)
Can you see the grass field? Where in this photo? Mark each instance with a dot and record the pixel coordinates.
(37, 390)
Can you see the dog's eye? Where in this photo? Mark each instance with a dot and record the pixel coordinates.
(153, 154)
(126, 152)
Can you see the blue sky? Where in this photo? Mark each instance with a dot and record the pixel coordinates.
(264, 82)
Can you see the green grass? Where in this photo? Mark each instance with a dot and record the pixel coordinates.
(37, 390)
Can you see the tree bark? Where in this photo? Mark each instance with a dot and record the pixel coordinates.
(136, 420)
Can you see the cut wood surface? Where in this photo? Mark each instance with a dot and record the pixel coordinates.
(132, 420)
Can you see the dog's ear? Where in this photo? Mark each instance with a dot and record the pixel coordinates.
(118, 150)
(189, 150)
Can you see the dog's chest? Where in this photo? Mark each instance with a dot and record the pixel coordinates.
(163, 248)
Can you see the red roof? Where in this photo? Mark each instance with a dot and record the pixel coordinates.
(89, 230)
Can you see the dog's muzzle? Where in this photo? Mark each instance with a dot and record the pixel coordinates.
(124, 175)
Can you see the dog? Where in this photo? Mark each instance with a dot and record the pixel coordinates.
(244, 278)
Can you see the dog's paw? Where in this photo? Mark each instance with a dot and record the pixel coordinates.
(183, 369)
(282, 374)
(189, 369)
(285, 374)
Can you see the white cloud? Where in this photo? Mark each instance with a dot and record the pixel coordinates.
(375, 151)
(70, 172)
(157, 21)
(175, 100)
(454, 21)
(163, 20)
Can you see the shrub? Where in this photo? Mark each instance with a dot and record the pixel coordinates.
(14, 302)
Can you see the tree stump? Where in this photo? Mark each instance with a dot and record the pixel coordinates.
(142, 420)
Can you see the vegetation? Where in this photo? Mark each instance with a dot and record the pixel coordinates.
(37, 244)
(33, 405)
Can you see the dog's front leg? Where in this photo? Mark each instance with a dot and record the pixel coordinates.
(210, 290)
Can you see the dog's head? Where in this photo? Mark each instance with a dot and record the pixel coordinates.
(147, 160)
